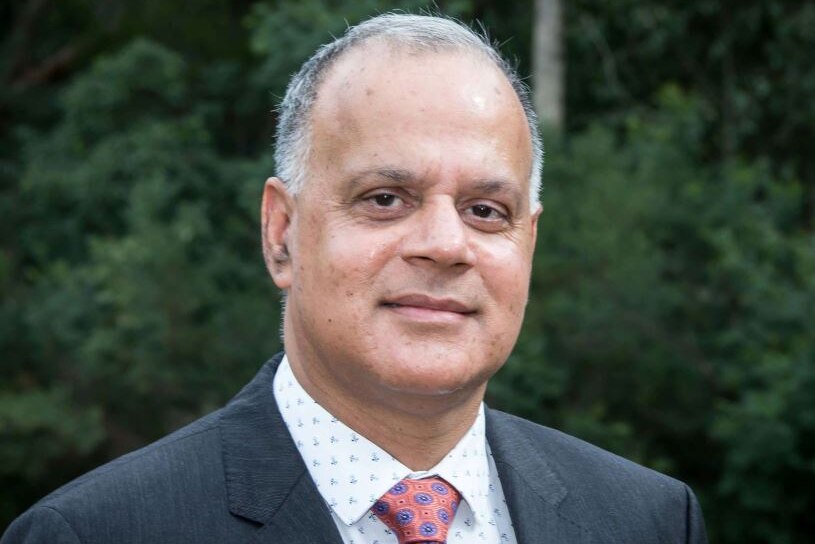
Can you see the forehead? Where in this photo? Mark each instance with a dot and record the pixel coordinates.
(370, 74)
(386, 96)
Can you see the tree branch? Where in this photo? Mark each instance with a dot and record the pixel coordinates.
(19, 36)
(49, 69)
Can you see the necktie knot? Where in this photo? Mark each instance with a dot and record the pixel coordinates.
(419, 510)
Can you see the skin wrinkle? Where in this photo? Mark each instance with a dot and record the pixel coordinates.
(385, 373)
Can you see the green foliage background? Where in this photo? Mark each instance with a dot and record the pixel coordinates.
(671, 308)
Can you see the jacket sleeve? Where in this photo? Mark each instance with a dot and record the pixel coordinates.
(695, 523)
(40, 525)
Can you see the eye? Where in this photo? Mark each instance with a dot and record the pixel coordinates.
(385, 204)
(386, 200)
(489, 217)
(486, 212)
(483, 211)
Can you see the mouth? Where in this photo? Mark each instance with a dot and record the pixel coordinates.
(426, 308)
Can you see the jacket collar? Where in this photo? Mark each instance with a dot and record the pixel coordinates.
(266, 480)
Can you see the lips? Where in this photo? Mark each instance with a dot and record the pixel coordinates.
(429, 304)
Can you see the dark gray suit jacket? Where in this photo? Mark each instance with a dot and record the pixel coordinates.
(236, 476)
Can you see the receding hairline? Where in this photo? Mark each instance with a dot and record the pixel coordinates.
(397, 49)
(393, 46)
(398, 32)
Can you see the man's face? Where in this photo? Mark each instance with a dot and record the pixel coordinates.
(411, 243)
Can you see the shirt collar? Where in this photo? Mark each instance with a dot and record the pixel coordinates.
(351, 472)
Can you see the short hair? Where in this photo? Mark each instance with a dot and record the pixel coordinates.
(419, 33)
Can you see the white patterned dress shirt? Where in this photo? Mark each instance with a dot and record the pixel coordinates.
(351, 472)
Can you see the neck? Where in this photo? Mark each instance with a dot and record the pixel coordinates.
(397, 421)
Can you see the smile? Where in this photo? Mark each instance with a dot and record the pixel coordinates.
(424, 308)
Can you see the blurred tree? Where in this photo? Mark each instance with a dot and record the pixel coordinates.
(144, 300)
(749, 62)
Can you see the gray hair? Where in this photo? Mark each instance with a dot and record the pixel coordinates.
(420, 33)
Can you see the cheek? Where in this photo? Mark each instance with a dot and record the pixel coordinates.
(346, 262)
(505, 269)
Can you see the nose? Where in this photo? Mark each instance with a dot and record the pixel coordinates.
(438, 236)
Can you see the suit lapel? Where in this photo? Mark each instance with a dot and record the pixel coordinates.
(533, 490)
(266, 480)
(301, 519)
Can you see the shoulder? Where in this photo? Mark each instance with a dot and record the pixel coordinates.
(161, 463)
(183, 488)
(611, 494)
(574, 459)
(41, 524)
(130, 495)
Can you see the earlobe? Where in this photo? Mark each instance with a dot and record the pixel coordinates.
(276, 214)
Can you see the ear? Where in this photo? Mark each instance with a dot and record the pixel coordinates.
(534, 220)
(276, 213)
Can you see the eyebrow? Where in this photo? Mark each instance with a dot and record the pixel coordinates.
(492, 186)
(397, 175)
(403, 176)
(495, 186)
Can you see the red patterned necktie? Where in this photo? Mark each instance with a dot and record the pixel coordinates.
(419, 510)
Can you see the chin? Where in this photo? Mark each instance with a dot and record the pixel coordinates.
(434, 373)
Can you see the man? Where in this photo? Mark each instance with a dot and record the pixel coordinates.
(401, 229)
